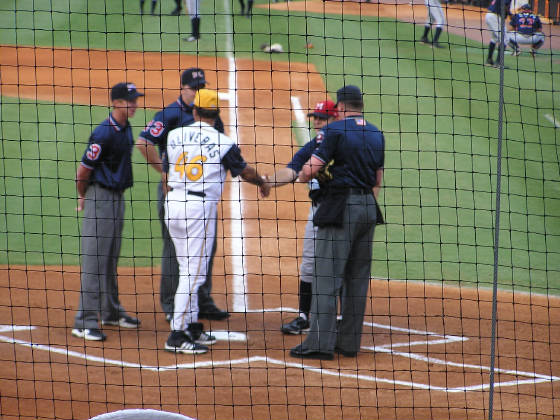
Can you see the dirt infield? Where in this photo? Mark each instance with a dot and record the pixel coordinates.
(425, 348)
(257, 378)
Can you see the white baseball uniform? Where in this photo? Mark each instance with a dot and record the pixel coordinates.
(435, 13)
(196, 175)
(494, 23)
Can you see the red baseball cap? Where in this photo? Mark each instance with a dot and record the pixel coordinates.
(324, 109)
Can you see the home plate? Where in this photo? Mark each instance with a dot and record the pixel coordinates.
(229, 336)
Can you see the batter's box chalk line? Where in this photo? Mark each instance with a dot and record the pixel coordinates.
(533, 378)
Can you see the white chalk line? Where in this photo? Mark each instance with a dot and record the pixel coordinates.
(553, 120)
(446, 339)
(237, 244)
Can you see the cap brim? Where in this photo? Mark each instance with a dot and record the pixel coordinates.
(135, 95)
(197, 84)
(318, 115)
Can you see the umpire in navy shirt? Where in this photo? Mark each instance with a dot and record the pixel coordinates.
(154, 137)
(353, 153)
(105, 172)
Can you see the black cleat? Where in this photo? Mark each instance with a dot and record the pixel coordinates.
(213, 313)
(297, 326)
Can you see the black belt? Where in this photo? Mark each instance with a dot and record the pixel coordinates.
(360, 191)
(105, 187)
(198, 194)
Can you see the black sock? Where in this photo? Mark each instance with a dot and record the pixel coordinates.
(500, 53)
(491, 50)
(250, 6)
(426, 31)
(154, 3)
(242, 4)
(195, 27)
(304, 297)
(178, 3)
(436, 35)
(142, 5)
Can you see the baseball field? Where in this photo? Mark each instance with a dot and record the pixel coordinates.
(427, 335)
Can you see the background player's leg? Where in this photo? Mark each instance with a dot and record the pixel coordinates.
(424, 38)
(491, 48)
(178, 8)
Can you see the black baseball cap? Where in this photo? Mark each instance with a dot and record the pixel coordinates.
(349, 93)
(126, 91)
(193, 77)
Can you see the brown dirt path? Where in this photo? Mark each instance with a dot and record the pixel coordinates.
(53, 385)
(462, 20)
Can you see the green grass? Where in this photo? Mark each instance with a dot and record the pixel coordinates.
(438, 109)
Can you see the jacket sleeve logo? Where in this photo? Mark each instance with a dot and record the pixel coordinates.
(93, 152)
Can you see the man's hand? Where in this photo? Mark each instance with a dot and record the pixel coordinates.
(81, 203)
(265, 187)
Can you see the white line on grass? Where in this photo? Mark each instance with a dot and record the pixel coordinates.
(552, 120)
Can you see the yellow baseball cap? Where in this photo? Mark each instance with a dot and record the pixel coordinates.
(206, 99)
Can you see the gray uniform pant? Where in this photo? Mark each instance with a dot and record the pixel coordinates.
(170, 267)
(308, 256)
(343, 262)
(101, 245)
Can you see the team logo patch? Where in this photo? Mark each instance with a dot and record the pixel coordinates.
(360, 121)
(156, 128)
(93, 152)
(320, 137)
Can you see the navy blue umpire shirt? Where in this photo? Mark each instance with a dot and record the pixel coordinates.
(496, 7)
(303, 155)
(358, 150)
(109, 155)
(178, 114)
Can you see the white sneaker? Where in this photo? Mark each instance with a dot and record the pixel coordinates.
(205, 339)
(92, 334)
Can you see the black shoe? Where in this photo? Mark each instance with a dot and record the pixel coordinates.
(436, 45)
(179, 342)
(176, 12)
(197, 334)
(213, 313)
(297, 351)
(424, 40)
(489, 62)
(345, 353)
(124, 321)
(297, 326)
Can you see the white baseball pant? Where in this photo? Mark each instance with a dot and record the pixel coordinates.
(191, 225)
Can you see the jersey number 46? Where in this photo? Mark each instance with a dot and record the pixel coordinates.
(191, 169)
